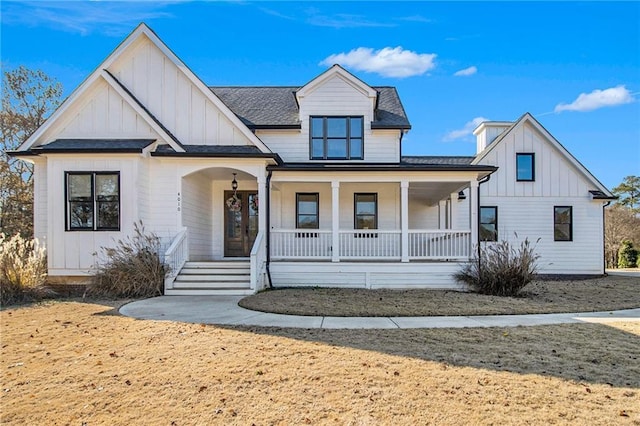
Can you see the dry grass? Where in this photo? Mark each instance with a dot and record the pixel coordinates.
(599, 294)
(78, 363)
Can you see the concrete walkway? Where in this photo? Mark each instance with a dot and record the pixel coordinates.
(224, 310)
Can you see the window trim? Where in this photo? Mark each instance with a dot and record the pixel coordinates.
(95, 227)
(325, 138)
(355, 208)
(533, 166)
(480, 223)
(570, 223)
(317, 196)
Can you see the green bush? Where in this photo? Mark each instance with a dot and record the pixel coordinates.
(130, 269)
(627, 255)
(500, 269)
(23, 270)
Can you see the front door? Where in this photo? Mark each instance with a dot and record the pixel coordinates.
(240, 223)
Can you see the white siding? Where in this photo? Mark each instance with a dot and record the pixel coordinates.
(101, 113)
(526, 208)
(532, 218)
(72, 252)
(40, 200)
(433, 275)
(172, 98)
(164, 194)
(197, 215)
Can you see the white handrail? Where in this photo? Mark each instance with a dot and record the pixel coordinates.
(439, 244)
(176, 256)
(258, 261)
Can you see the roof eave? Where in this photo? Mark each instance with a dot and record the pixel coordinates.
(391, 126)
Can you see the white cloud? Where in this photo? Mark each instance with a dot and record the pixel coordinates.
(598, 99)
(466, 72)
(467, 130)
(388, 62)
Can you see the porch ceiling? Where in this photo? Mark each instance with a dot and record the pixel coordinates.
(223, 173)
(432, 192)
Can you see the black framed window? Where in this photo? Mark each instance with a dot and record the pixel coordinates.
(489, 223)
(563, 223)
(525, 167)
(307, 211)
(93, 201)
(365, 211)
(336, 138)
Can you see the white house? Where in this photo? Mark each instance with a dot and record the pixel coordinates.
(292, 186)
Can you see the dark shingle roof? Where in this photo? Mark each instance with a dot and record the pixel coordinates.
(600, 195)
(230, 151)
(436, 161)
(276, 107)
(94, 145)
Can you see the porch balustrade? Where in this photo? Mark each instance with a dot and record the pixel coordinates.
(369, 244)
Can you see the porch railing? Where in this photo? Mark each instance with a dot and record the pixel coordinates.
(258, 262)
(439, 244)
(370, 244)
(366, 244)
(300, 244)
(176, 256)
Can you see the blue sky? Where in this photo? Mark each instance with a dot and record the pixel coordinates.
(575, 66)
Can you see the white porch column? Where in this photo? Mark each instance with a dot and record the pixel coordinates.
(335, 221)
(473, 212)
(262, 197)
(453, 212)
(404, 220)
(442, 214)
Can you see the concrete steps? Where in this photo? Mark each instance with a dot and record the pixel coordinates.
(228, 278)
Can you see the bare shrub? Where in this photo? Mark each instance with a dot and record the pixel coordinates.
(500, 269)
(130, 269)
(23, 270)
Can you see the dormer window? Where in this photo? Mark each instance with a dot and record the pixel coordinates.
(336, 138)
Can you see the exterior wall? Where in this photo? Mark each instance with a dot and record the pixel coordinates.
(334, 97)
(102, 113)
(526, 208)
(172, 98)
(72, 252)
(432, 275)
(197, 215)
(40, 228)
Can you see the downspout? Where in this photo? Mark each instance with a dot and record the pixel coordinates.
(604, 246)
(480, 182)
(268, 222)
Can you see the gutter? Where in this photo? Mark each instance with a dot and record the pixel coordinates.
(604, 248)
(480, 182)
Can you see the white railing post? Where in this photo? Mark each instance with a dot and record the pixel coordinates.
(176, 256)
(404, 220)
(258, 261)
(335, 221)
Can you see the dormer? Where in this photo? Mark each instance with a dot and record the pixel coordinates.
(487, 132)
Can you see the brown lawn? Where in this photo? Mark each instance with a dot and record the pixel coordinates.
(598, 294)
(79, 363)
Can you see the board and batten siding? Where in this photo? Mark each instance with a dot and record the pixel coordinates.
(172, 98)
(526, 208)
(100, 113)
(73, 251)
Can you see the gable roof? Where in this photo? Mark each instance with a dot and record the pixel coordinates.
(528, 118)
(276, 107)
(142, 30)
(333, 71)
(60, 146)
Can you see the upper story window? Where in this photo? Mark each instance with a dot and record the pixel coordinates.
(93, 201)
(525, 167)
(336, 138)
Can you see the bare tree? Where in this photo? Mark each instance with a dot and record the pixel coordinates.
(28, 98)
(620, 224)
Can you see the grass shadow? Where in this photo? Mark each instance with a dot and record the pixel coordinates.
(592, 353)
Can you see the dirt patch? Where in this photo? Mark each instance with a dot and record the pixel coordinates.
(69, 363)
(598, 294)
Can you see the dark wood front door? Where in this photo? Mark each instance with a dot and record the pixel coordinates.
(240, 223)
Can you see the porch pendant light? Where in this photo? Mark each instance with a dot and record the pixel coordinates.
(234, 184)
